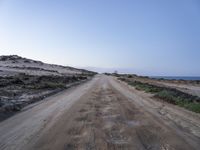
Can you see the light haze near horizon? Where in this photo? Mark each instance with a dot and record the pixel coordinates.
(132, 36)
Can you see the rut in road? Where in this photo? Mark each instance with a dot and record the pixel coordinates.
(105, 119)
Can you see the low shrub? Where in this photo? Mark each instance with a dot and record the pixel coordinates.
(50, 85)
(145, 87)
(193, 107)
(169, 95)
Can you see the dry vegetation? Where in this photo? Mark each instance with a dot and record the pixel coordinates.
(21, 90)
(24, 81)
(170, 95)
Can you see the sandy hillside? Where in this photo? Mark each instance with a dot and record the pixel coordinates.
(13, 64)
(24, 81)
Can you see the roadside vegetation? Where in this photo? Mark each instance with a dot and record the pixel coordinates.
(169, 95)
(20, 90)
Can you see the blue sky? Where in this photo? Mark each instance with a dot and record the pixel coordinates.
(154, 37)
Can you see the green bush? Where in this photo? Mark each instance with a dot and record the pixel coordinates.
(166, 95)
(145, 87)
(47, 85)
(193, 107)
(52, 85)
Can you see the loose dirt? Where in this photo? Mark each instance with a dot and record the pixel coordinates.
(102, 114)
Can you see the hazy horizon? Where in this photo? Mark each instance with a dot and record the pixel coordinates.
(157, 38)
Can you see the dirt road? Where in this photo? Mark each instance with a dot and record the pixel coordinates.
(102, 114)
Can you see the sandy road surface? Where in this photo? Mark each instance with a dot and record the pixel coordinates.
(25, 127)
(101, 114)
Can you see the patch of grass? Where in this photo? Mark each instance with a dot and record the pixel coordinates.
(51, 85)
(169, 95)
(193, 107)
(145, 87)
(189, 103)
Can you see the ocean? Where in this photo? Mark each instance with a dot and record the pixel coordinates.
(176, 77)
